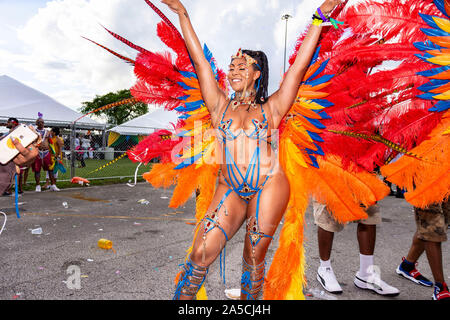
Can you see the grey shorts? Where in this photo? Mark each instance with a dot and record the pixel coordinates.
(326, 221)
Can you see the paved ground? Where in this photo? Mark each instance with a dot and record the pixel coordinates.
(150, 242)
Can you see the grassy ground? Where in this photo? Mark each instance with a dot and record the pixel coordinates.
(122, 171)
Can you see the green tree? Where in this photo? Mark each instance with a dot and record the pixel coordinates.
(115, 115)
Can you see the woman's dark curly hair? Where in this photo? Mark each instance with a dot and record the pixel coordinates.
(263, 81)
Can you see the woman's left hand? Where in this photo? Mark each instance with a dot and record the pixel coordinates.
(329, 5)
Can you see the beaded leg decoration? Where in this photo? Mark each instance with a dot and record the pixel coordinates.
(254, 233)
(211, 221)
(191, 280)
(252, 280)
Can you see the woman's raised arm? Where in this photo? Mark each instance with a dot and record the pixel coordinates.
(212, 94)
(281, 101)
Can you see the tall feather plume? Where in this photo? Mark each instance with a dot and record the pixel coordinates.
(166, 20)
(127, 42)
(109, 106)
(131, 61)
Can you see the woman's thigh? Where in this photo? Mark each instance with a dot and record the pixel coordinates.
(264, 216)
(225, 217)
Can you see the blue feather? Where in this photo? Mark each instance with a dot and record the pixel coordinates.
(315, 136)
(188, 74)
(209, 57)
(441, 6)
(319, 150)
(435, 32)
(427, 45)
(427, 96)
(441, 106)
(324, 115)
(429, 20)
(433, 84)
(424, 57)
(323, 102)
(182, 133)
(183, 98)
(190, 106)
(433, 72)
(316, 123)
(194, 105)
(322, 67)
(320, 80)
(313, 161)
(316, 55)
(184, 86)
(188, 162)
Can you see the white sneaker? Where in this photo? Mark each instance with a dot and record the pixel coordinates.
(38, 188)
(327, 279)
(373, 282)
(53, 187)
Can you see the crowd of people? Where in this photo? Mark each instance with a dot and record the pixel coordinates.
(51, 153)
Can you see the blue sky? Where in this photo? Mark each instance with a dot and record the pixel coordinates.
(41, 44)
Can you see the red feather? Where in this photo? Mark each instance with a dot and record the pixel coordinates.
(156, 94)
(172, 40)
(158, 144)
(390, 19)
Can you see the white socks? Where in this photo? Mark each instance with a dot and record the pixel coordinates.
(364, 263)
(325, 264)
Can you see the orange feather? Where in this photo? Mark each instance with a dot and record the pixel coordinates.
(427, 179)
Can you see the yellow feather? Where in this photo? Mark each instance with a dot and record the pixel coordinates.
(295, 154)
(309, 104)
(446, 132)
(201, 294)
(442, 60)
(445, 95)
(444, 24)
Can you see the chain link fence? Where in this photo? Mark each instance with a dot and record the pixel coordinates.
(97, 155)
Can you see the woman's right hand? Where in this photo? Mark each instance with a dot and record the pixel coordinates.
(174, 5)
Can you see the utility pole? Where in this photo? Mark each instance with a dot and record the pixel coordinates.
(285, 17)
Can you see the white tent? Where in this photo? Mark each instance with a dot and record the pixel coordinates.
(147, 123)
(22, 102)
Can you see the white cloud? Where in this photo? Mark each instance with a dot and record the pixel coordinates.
(75, 70)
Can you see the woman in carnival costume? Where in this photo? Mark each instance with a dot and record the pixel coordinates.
(252, 187)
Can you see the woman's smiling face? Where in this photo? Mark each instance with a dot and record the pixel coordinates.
(240, 76)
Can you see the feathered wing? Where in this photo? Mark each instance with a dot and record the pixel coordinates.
(374, 114)
(298, 151)
(427, 179)
(185, 151)
(375, 90)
